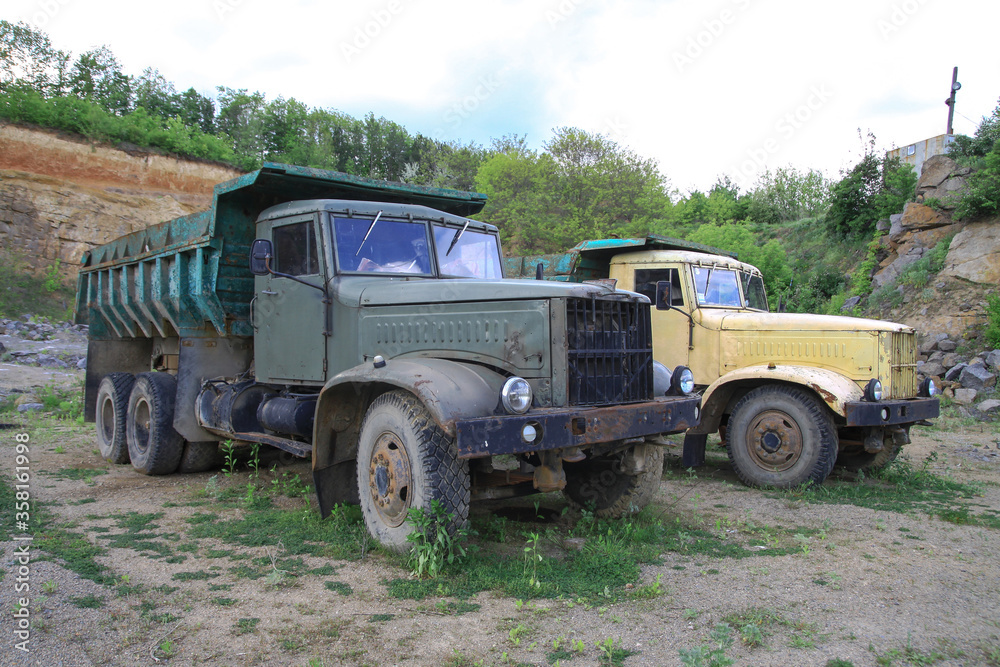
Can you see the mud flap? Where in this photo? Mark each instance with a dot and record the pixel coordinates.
(693, 455)
(335, 484)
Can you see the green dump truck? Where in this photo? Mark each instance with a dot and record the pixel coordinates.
(790, 395)
(367, 325)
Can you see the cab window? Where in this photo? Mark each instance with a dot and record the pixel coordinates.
(646, 279)
(295, 251)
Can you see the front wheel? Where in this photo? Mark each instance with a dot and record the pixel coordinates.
(615, 486)
(780, 436)
(406, 461)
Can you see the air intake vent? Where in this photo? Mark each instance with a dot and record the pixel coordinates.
(610, 351)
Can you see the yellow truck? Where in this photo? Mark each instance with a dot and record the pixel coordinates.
(790, 395)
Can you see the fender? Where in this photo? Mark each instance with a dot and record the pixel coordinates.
(449, 390)
(832, 388)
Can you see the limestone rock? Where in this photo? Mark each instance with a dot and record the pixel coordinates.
(934, 172)
(850, 303)
(965, 396)
(955, 372)
(974, 254)
(977, 377)
(993, 360)
(989, 407)
(931, 368)
(919, 217)
(950, 360)
(947, 345)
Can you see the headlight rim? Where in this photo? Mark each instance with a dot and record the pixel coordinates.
(505, 395)
(681, 376)
(873, 391)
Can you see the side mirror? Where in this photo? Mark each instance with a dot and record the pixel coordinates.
(260, 257)
(663, 299)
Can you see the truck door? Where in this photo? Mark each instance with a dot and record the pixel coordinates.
(670, 328)
(289, 317)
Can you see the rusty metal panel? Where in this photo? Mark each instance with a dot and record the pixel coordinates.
(862, 413)
(582, 427)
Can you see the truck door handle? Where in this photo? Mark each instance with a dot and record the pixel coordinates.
(267, 291)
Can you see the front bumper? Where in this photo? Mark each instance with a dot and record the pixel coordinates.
(880, 413)
(558, 428)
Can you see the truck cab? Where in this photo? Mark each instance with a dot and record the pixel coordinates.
(790, 395)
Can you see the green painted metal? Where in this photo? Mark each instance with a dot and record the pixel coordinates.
(589, 260)
(189, 276)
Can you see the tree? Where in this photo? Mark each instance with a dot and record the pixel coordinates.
(97, 76)
(27, 58)
(241, 118)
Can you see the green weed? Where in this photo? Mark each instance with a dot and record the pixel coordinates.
(432, 545)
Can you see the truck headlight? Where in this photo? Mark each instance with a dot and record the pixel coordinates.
(927, 388)
(516, 395)
(873, 390)
(682, 381)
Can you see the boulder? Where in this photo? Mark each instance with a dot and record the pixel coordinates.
(974, 254)
(29, 407)
(934, 172)
(947, 345)
(955, 372)
(977, 377)
(917, 217)
(931, 368)
(965, 396)
(989, 407)
(850, 303)
(993, 360)
(928, 346)
(950, 360)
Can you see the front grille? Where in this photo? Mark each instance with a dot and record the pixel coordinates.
(610, 351)
(903, 370)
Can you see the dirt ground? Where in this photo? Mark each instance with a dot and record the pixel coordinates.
(870, 587)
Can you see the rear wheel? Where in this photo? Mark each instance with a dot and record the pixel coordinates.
(199, 457)
(606, 486)
(153, 445)
(780, 436)
(406, 461)
(112, 411)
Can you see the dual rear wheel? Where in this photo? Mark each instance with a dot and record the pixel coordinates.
(135, 416)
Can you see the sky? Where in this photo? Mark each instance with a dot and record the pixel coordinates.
(708, 88)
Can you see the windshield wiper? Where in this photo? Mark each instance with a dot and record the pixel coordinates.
(458, 235)
(370, 228)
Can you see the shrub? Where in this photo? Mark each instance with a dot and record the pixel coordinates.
(992, 333)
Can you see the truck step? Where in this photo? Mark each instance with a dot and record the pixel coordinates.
(294, 447)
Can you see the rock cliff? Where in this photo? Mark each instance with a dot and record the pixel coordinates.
(60, 196)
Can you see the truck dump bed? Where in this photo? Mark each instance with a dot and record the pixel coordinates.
(189, 276)
(589, 260)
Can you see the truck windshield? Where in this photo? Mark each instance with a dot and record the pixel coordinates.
(474, 255)
(753, 289)
(716, 287)
(382, 246)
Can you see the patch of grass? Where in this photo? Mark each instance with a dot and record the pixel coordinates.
(77, 474)
(87, 601)
(380, 618)
(200, 575)
(903, 488)
(342, 536)
(225, 602)
(609, 559)
(245, 626)
(338, 587)
(754, 624)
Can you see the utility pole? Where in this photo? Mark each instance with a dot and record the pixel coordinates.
(955, 85)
